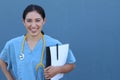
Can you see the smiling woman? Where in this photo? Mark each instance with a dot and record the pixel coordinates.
(34, 23)
(29, 50)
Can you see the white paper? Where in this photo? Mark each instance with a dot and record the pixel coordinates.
(62, 57)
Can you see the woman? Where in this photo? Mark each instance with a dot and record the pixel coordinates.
(21, 57)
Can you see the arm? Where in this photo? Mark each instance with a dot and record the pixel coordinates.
(53, 70)
(3, 66)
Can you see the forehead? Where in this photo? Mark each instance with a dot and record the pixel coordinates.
(33, 14)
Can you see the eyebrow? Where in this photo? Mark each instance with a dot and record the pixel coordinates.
(35, 18)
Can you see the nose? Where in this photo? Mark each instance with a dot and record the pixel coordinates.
(33, 24)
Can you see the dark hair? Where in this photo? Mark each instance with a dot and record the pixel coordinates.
(33, 7)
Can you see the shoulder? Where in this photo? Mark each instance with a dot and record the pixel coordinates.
(15, 40)
(13, 43)
(51, 41)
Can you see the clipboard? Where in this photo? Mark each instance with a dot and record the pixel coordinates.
(57, 56)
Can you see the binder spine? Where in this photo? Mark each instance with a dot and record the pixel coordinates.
(48, 58)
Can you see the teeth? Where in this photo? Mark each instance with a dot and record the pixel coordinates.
(33, 29)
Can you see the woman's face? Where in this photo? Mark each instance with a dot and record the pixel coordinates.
(33, 23)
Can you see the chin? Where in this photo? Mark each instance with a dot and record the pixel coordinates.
(34, 34)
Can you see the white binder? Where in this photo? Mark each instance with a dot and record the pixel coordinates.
(57, 56)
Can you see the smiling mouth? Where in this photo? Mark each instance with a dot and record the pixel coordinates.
(33, 30)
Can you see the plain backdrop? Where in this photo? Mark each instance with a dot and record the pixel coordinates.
(91, 27)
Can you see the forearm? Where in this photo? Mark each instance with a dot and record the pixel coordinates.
(51, 71)
(3, 66)
(66, 68)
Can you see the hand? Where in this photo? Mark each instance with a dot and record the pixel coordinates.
(3, 66)
(51, 71)
(10, 78)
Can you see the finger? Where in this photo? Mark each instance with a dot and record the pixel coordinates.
(51, 68)
(47, 76)
(46, 69)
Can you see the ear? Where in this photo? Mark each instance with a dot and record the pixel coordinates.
(44, 21)
(23, 21)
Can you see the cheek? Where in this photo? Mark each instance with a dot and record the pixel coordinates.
(27, 25)
(40, 25)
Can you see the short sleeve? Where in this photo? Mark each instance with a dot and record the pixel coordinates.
(71, 58)
(4, 55)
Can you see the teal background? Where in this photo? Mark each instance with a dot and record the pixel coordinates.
(91, 27)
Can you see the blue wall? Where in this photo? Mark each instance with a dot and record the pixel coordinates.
(92, 27)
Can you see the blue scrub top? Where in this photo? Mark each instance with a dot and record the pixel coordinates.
(26, 69)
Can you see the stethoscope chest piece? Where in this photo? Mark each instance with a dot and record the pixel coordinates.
(21, 56)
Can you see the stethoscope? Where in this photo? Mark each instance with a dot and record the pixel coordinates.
(21, 56)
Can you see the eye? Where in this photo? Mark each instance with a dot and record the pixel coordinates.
(28, 20)
(38, 20)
